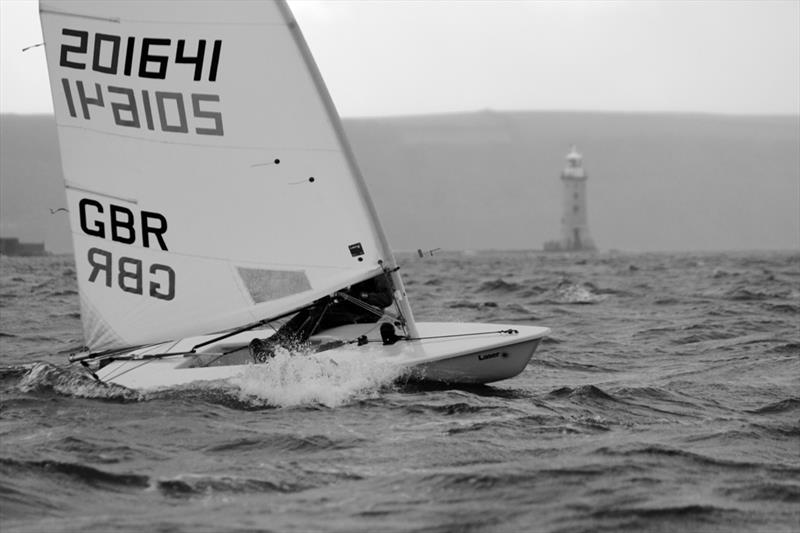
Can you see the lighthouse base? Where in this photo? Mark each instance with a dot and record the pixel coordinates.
(559, 246)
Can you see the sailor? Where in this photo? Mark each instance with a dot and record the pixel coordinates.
(327, 313)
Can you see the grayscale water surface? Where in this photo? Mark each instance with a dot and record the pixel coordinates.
(666, 399)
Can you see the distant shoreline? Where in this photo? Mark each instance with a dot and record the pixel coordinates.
(490, 179)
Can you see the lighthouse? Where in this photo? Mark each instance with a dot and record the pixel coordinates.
(574, 220)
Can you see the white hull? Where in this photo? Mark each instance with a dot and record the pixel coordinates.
(481, 366)
(447, 352)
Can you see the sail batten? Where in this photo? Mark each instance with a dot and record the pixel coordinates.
(168, 114)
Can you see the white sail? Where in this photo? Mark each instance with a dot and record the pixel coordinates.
(208, 181)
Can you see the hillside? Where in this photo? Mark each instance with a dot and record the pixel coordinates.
(490, 179)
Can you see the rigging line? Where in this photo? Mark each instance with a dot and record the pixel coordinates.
(506, 331)
(362, 304)
(85, 365)
(217, 358)
(232, 333)
(69, 186)
(84, 355)
(171, 344)
(319, 318)
(129, 370)
(248, 327)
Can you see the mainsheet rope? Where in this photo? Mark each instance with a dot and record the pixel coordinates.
(364, 340)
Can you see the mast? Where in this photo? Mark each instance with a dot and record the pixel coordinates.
(390, 264)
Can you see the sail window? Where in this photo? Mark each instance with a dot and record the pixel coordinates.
(266, 285)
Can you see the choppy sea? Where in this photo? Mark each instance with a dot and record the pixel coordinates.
(666, 399)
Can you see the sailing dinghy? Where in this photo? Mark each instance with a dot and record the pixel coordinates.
(212, 195)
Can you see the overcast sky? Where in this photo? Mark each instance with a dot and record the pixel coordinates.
(412, 57)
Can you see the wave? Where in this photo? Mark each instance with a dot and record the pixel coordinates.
(289, 380)
(515, 307)
(789, 404)
(94, 452)
(705, 333)
(721, 273)
(532, 291)
(285, 442)
(696, 458)
(537, 424)
(584, 392)
(790, 430)
(460, 481)
(449, 409)
(647, 393)
(768, 491)
(22, 503)
(42, 339)
(72, 381)
(791, 309)
(682, 512)
(14, 372)
(73, 472)
(296, 480)
(568, 365)
(220, 393)
(181, 486)
(467, 304)
(519, 478)
(627, 405)
(792, 348)
(315, 379)
(191, 486)
(568, 292)
(499, 285)
(744, 294)
(552, 339)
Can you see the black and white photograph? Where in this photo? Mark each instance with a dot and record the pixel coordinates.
(436, 266)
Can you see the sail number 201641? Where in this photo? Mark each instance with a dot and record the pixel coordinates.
(165, 110)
